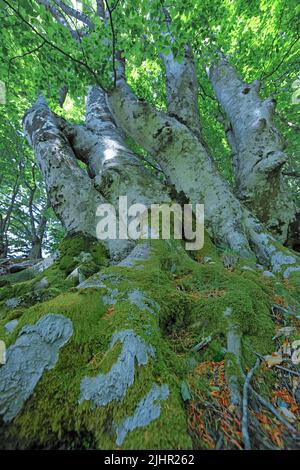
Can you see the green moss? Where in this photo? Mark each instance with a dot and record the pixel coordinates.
(75, 250)
(208, 250)
(233, 368)
(52, 413)
(215, 350)
(16, 290)
(293, 285)
(265, 380)
(71, 247)
(56, 278)
(4, 282)
(30, 295)
(21, 276)
(192, 296)
(212, 289)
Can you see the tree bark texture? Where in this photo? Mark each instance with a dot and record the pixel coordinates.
(257, 147)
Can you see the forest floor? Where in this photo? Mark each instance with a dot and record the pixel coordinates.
(269, 415)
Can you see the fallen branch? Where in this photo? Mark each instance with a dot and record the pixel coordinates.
(202, 343)
(288, 370)
(283, 310)
(245, 432)
(273, 410)
(270, 407)
(234, 349)
(279, 367)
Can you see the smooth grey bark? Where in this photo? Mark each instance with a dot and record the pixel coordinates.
(258, 149)
(189, 167)
(184, 161)
(71, 192)
(37, 221)
(182, 90)
(113, 169)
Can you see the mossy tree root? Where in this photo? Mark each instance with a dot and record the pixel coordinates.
(118, 379)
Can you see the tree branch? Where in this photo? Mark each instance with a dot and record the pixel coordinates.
(182, 84)
(282, 60)
(62, 94)
(27, 53)
(113, 41)
(75, 13)
(100, 9)
(292, 174)
(54, 46)
(245, 406)
(60, 18)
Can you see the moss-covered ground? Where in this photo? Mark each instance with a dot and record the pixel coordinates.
(193, 292)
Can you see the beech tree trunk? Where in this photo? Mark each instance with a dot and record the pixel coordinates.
(189, 167)
(174, 140)
(36, 249)
(257, 149)
(5, 218)
(3, 247)
(116, 381)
